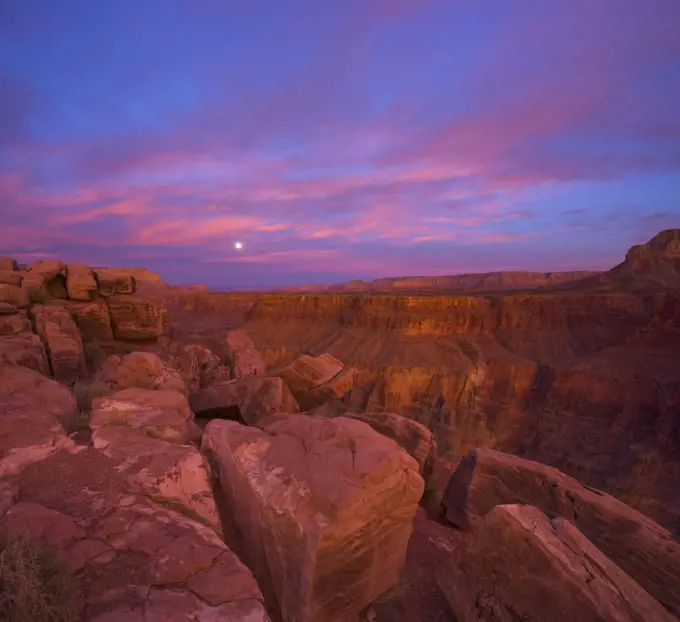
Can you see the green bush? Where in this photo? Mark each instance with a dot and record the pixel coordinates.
(34, 586)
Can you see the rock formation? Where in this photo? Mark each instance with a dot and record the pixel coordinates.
(520, 565)
(325, 508)
(641, 547)
(243, 357)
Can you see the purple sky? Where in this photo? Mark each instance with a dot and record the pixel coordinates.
(337, 139)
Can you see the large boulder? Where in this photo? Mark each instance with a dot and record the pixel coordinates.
(32, 408)
(325, 508)
(132, 558)
(46, 279)
(112, 281)
(14, 295)
(520, 565)
(249, 399)
(80, 282)
(143, 370)
(24, 349)
(314, 380)
(412, 436)
(8, 264)
(198, 366)
(93, 320)
(10, 278)
(134, 317)
(646, 551)
(243, 356)
(160, 414)
(62, 341)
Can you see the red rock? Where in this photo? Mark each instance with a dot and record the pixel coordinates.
(325, 508)
(114, 281)
(14, 324)
(62, 341)
(10, 278)
(93, 320)
(641, 547)
(8, 264)
(519, 565)
(134, 317)
(24, 349)
(80, 283)
(244, 358)
(248, 399)
(50, 274)
(14, 295)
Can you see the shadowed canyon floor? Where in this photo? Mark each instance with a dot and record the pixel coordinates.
(341, 457)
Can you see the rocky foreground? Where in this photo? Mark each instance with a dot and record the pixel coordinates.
(176, 482)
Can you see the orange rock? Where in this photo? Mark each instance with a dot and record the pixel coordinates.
(244, 358)
(519, 565)
(113, 281)
(25, 349)
(93, 320)
(14, 295)
(134, 317)
(80, 282)
(8, 264)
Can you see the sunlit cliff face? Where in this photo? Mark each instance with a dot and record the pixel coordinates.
(337, 141)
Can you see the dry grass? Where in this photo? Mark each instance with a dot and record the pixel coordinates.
(34, 587)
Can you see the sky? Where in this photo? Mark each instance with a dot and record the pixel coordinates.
(337, 140)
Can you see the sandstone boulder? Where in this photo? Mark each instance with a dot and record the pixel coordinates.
(93, 320)
(412, 436)
(161, 414)
(10, 278)
(175, 475)
(8, 264)
(144, 370)
(325, 508)
(8, 309)
(113, 282)
(62, 341)
(314, 380)
(248, 399)
(80, 282)
(14, 324)
(48, 277)
(646, 551)
(31, 408)
(135, 559)
(14, 295)
(134, 317)
(198, 366)
(520, 565)
(243, 357)
(24, 349)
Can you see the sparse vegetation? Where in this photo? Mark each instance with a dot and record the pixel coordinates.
(118, 417)
(34, 586)
(86, 392)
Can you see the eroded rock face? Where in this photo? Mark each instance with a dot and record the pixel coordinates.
(80, 283)
(25, 349)
(161, 414)
(93, 320)
(244, 358)
(8, 277)
(62, 341)
(198, 367)
(641, 547)
(314, 380)
(112, 281)
(134, 317)
(31, 409)
(520, 565)
(249, 399)
(8, 264)
(325, 508)
(412, 436)
(46, 278)
(14, 295)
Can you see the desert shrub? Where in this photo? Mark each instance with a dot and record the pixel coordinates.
(86, 392)
(34, 586)
(118, 417)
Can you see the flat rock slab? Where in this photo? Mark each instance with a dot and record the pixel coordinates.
(243, 356)
(114, 281)
(641, 547)
(248, 399)
(520, 565)
(134, 317)
(161, 414)
(325, 508)
(135, 559)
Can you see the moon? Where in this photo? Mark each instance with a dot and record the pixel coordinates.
(238, 245)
